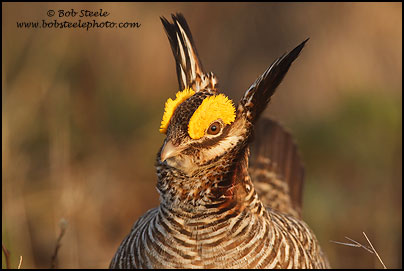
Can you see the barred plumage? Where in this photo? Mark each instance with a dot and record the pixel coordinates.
(211, 214)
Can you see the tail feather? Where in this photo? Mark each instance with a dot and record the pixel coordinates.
(276, 168)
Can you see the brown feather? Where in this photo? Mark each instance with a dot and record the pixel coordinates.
(275, 161)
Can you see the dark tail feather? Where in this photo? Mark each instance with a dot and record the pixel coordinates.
(276, 168)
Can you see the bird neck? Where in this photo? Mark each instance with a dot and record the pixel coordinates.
(220, 185)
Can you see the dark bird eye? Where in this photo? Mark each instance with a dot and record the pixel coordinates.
(214, 128)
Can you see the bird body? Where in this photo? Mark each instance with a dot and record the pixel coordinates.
(211, 212)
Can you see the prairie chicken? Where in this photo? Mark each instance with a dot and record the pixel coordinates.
(215, 211)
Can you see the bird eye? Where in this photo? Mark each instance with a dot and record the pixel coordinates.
(214, 128)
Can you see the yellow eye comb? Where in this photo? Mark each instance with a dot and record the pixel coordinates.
(171, 105)
(212, 108)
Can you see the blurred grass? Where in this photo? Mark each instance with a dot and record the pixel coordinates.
(353, 165)
(81, 111)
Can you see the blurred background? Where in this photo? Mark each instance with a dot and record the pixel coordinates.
(81, 112)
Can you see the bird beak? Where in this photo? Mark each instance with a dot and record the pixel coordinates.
(168, 151)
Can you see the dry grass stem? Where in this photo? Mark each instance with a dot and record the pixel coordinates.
(354, 243)
(7, 255)
(374, 250)
(63, 225)
(19, 265)
(359, 244)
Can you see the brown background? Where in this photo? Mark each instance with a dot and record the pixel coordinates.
(81, 111)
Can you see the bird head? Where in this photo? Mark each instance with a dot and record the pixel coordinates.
(203, 126)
